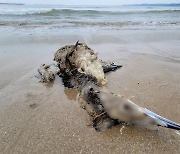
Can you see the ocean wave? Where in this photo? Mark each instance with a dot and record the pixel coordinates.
(96, 12)
(86, 24)
(56, 12)
(68, 11)
(122, 24)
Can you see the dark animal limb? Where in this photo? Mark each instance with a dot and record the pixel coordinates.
(109, 67)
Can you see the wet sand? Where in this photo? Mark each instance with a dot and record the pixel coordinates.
(40, 118)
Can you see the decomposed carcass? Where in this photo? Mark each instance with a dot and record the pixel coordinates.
(81, 69)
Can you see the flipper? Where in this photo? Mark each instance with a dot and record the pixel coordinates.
(108, 67)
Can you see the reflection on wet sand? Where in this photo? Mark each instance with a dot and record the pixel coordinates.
(71, 94)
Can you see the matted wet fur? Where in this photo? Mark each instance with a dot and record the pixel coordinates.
(75, 75)
(81, 69)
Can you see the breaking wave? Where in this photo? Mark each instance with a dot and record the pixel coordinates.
(78, 16)
(56, 12)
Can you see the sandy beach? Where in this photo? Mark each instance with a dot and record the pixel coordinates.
(46, 118)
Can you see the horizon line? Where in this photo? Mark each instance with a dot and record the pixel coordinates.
(135, 4)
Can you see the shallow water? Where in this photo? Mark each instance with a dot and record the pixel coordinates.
(66, 17)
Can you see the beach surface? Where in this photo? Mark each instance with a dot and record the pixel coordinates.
(46, 118)
(40, 118)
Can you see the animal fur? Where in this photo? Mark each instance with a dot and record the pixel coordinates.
(48, 72)
(81, 69)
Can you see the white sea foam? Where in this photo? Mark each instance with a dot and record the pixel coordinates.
(129, 17)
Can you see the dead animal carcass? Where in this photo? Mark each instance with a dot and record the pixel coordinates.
(81, 69)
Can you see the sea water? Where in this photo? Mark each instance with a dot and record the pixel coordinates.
(58, 17)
